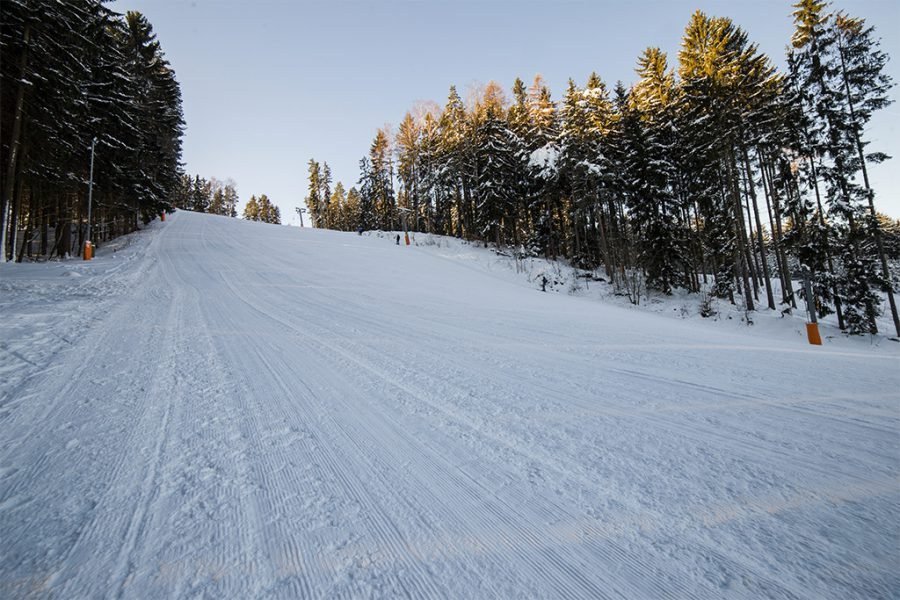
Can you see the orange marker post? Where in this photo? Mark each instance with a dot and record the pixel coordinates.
(812, 325)
(162, 216)
(88, 251)
(812, 334)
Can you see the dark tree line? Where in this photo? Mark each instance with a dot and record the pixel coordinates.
(720, 173)
(73, 72)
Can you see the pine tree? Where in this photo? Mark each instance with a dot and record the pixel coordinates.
(159, 111)
(230, 198)
(75, 76)
(262, 209)
(819, 60)
(612, 227)
(545, 196)
(649, 141)
(810, 236)
(336, 206)
(865, 87)
(452, 160)
(251, 209)
(314, 200)
(498, 169)
(182, 195)
(382, 184)
(367, 219)
(408, 164)
(432, 195)
(324, 194)
(201, 196)
(351, 210)
(217, 205)
(722, 77)
(586, 126)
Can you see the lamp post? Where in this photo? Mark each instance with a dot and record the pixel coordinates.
(88, 247)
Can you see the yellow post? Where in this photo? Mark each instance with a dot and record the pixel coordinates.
(812, 333)
(88, 251)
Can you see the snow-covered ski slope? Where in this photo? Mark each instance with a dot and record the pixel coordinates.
(215, 408)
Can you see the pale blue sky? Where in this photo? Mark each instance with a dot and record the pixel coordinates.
(268, 84)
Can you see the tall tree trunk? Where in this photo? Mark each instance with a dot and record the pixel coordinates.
(14, 143)
(18, 202)
(775, 231)
(759, 237)
(740, 248)
(604, 244)
(749, 254)
(882, 254)
(774, 208)
(752, 256)
(837, 298)
(45, 229)
(703, 259)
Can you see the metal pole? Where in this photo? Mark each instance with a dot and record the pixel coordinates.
(91, 189)
(810, 301)
(88, 250)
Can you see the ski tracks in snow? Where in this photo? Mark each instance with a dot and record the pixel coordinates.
(490, 468)
(265, 416)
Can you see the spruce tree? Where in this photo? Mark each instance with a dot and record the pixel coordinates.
(865, 87)
(75, 75)
(351, 210)
(230, 198)
(201, 196)
(585, 121)
(408, 164)
(382, 182)
(545, 193)
(251, 210)
(217, 205)
(649, 167)
(496, 183)
(314, 201)
(335, 218)
(820, 59)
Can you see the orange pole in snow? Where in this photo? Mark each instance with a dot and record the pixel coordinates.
(88, 251)
(407, 238)
(162, 216)
(812, 334)
(812, 327)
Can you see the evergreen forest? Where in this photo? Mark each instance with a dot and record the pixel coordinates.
(717, 174)
(90, 107)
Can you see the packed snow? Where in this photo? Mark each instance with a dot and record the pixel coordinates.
(227, 409)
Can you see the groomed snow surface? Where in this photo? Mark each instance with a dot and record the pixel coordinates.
(216, 408)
